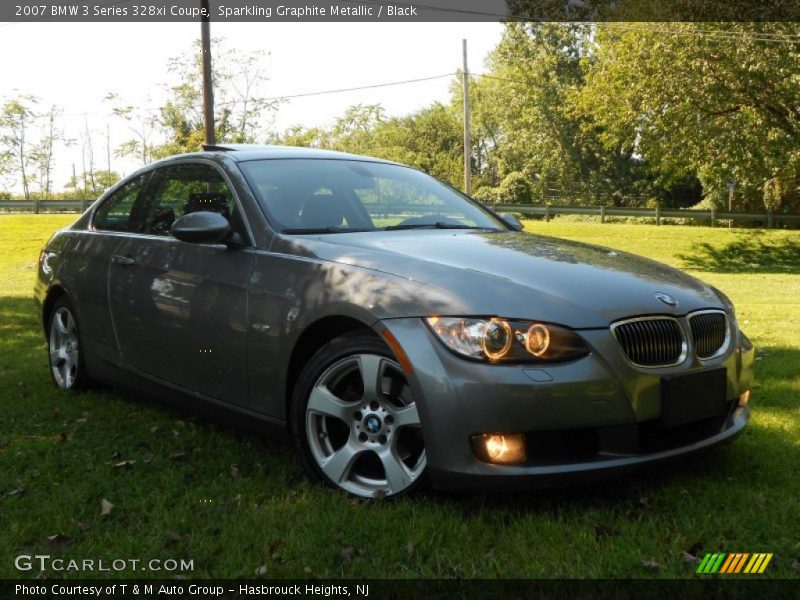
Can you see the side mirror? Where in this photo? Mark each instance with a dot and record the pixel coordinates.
(511, 221)
(202, 227)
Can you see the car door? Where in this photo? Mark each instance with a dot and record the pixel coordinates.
(179, 309)
(88, 263)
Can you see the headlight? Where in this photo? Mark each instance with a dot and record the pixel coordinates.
(501, 340)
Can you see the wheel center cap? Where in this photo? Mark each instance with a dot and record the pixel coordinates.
(372, 424)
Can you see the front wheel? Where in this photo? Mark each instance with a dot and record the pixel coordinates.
(355, 422)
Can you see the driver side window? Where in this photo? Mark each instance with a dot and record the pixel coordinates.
(186, 188)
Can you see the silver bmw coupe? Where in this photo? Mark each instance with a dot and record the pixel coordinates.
(394, 329)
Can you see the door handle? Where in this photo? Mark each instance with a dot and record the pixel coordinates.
(124, 261)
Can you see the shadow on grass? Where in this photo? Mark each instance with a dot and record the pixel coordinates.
(680, 488)
(21, 336)
(24, 363)
(746, 255)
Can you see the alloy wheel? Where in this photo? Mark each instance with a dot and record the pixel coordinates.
(64, 350)
(363, 427)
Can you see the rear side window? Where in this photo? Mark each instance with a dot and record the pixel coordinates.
(182, 189)
(115, 213)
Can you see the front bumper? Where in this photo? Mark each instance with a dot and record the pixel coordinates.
(583, 420)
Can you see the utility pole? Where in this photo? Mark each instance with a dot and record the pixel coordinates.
(467, 141)
(208, 84)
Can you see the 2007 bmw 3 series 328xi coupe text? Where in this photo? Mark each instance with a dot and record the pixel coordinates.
(395, 329)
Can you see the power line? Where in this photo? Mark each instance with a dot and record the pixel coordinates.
(298, 95)
(363, 87)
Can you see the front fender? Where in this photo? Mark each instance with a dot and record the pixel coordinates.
(288, 293)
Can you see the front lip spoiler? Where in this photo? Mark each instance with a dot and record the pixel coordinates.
(541, 477)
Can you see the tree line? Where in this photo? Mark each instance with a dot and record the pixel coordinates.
(618, 114)
(30, 137)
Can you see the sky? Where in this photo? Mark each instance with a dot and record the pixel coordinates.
(76, 65)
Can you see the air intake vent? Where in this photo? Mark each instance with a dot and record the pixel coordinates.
(651, 341)
(709, 333)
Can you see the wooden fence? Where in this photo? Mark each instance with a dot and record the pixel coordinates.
(711, 217)
(40, 206)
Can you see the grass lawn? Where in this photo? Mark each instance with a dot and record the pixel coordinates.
(235, 503)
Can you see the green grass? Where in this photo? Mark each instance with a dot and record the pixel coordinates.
(233, 502)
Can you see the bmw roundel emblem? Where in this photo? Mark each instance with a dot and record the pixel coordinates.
(666, 299)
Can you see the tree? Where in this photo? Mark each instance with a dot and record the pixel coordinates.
(141, 123)
(86, 187)
(16, 117)
(429, 139)
(306, 137)
(528, 127)
(87, 161)
(43, 152)
(241, 113)
(354, 131)
(6, 160)
(718, 100)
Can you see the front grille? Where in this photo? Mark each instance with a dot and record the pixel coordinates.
(709, 332)
(651, 341)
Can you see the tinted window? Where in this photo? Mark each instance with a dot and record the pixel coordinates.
(115, 213)
(345, 194)
(183, 189)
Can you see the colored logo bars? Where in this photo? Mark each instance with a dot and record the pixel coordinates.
(736, 562)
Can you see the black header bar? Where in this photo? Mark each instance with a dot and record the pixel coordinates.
(403, 11)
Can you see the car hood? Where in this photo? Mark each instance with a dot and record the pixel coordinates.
(520, 275)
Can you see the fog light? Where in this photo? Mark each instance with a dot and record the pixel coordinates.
(744, 398)
(500, 448)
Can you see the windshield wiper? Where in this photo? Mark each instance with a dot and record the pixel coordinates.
(436, 225)
(329, 229)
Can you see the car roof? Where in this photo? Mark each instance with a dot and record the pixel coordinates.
(245, 152)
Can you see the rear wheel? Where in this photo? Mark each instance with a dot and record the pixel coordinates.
(355, 421)
(66, 360)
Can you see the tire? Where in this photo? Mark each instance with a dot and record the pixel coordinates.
(67, 365)
(363, 439)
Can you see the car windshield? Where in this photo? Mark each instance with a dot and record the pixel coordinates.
(336, 196)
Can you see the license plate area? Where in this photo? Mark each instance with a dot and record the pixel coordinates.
(688, 398)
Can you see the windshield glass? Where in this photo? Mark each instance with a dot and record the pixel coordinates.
(330, 196)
